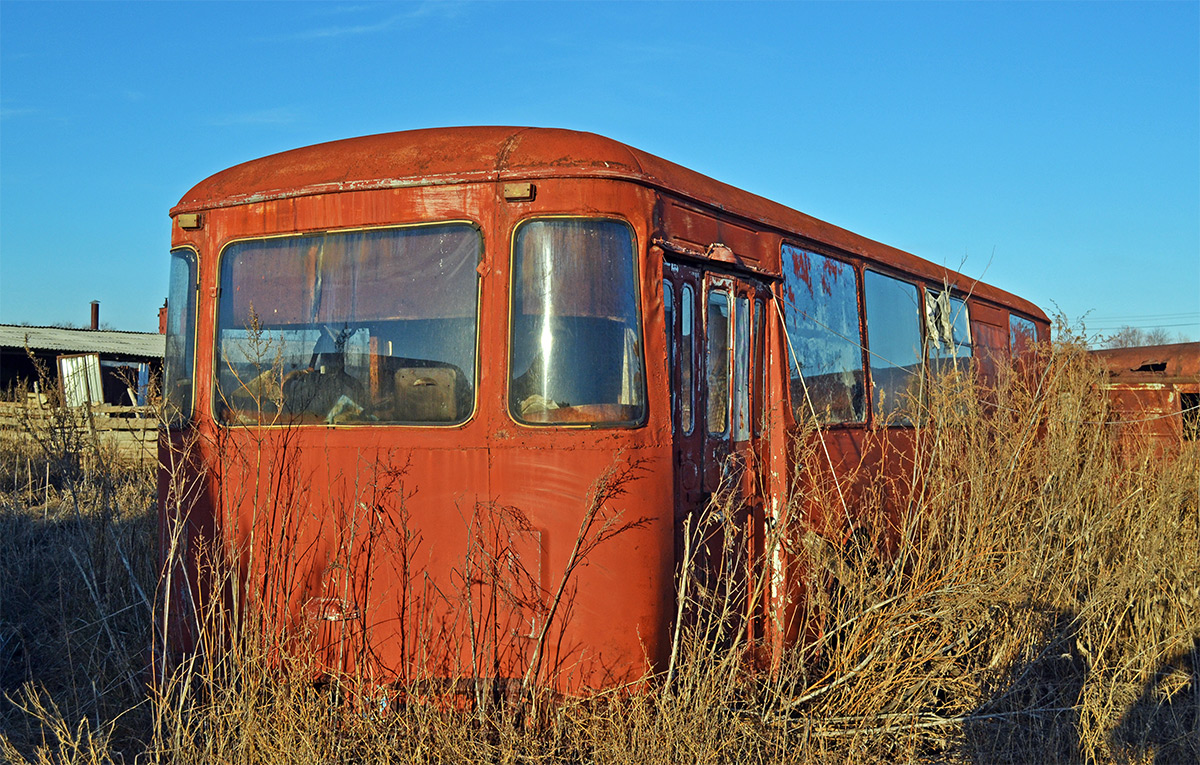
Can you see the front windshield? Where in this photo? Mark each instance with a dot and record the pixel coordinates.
(373, 326)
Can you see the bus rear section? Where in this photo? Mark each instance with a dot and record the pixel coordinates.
(427, 450)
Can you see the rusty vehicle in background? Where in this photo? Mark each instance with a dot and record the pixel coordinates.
(1154, 392)
(447, 398)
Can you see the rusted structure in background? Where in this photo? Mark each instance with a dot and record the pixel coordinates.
(426, 376)
(1155, 392)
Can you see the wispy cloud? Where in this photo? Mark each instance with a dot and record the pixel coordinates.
(416, 12)
(337, 10)
(11, 113)
(277, 116)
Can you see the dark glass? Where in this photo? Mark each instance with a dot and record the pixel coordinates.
(687, 358)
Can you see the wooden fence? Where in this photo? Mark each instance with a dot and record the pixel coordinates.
(131, 432)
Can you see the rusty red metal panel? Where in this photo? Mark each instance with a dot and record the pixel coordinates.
(1153, 391)
(1172, 363)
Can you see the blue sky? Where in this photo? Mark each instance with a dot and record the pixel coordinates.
(1052, 149)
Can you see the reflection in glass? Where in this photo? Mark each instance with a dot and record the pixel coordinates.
(576, 350)
(893, 342)
(372, 326)
(820, 299)
(947, 332)
(1022, 334)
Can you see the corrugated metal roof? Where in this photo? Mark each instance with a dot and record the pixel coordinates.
(148, 345)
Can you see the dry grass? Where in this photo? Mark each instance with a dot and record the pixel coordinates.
(1043, 604)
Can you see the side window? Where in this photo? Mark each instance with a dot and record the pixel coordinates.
(718, 362)
(181, 337)
(947, 331)
(894, 344)
(820, 299)
(1189, 405)
(1022, 334)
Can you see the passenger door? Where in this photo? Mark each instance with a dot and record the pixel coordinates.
(715, 326)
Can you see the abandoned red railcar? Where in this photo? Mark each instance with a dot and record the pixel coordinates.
(408, 370)
(1154, 391)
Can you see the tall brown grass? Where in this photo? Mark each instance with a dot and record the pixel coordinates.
(1040, 602)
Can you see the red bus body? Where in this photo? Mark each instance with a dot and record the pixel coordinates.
(442, 549)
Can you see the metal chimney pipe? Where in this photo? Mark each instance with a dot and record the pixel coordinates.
(95, 314)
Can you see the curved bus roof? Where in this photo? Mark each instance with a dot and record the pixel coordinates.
(442, 156)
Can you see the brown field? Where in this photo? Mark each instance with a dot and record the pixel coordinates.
(1043, 606)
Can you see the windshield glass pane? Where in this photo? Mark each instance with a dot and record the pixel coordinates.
(181, 337)
(576, 350)
(353, 327)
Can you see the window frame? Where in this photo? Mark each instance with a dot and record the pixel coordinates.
(1013, 319)
(214, 396)
(857, 268)
(636, 267)
(185, 419)
(876, 419)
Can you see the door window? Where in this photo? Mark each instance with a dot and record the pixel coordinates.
(741, 373)
(687, 359)
(718, 362)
